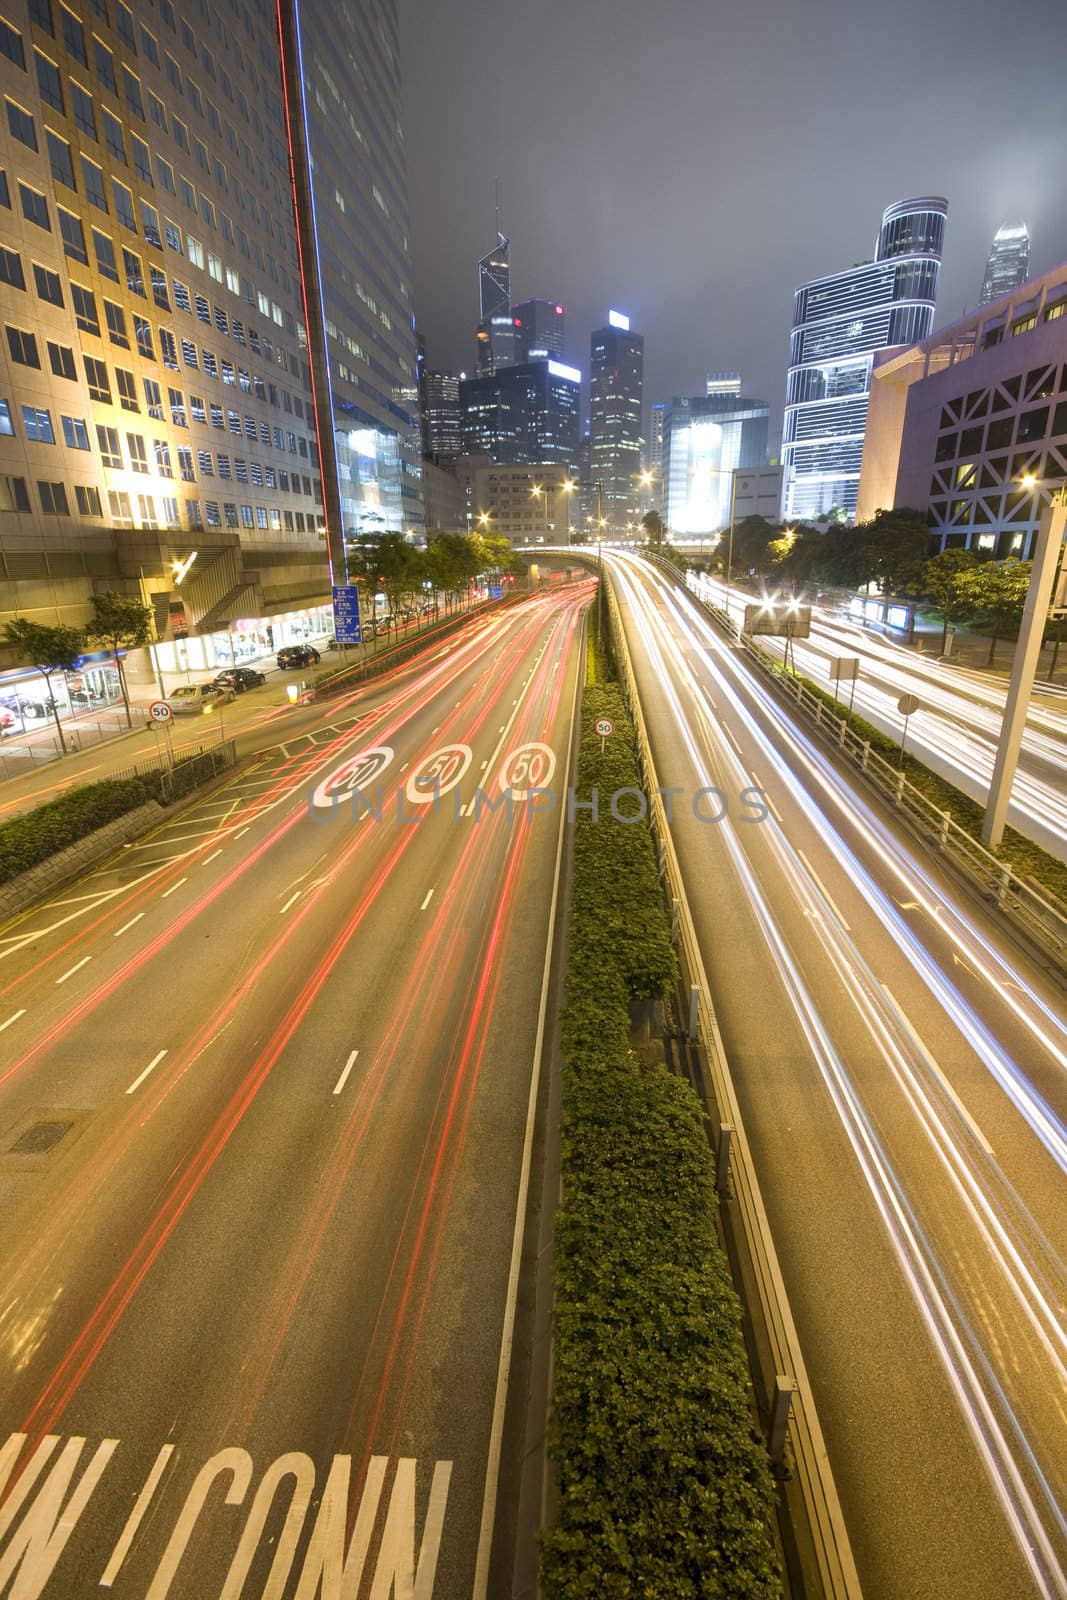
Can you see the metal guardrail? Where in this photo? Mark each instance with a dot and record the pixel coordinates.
(197, 767)
(818, 1524)
(1036, 911)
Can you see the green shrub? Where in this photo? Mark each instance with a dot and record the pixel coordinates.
(29, 839)
(664, 1488)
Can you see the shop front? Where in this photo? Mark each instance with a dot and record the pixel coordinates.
(245, 641)
(28, 703)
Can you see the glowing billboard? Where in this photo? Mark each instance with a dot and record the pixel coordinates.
(617, 320)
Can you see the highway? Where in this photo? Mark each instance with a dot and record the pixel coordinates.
(900, 1066)
(268, 1090)
(954, 732)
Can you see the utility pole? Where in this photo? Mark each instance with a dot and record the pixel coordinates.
(1047, 550)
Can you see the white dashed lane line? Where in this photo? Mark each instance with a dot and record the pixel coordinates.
(426, 902)
(75, 968)
(127, 925)
(14, 1017)
(137, 1082)
(343, 1079)
(172, 888)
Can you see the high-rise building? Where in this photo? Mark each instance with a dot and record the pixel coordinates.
(527, 504)
(1009, 262)
(616, 386)
(722, 384)
(838, 323)
(157, 394)
(540, 329)
(341, 61)
(654, 449)
(496, 327)
(524, 414)
(705, 440)
(439, 405)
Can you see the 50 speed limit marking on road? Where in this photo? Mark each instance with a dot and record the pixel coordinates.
(354, 774)
(438, 773)
(531, 766)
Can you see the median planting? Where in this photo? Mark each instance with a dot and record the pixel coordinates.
(664, 1490)
(38, 835)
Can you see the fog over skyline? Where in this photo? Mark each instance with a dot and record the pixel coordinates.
(692, 163)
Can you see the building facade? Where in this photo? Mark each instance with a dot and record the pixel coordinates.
(616, 397)
(654, 447)
(838, 323)
(757, 492)
(1009, 262)
(496, 326)
(444, 500)
(527, 504)
(526, 414)
(540, 329)
(722, 385)
(341, 64)
(169, 384)
(439, 406)
(706, 439)
(970, 424)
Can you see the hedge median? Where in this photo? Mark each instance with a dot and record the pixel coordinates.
(35, 836)
(664, 1488)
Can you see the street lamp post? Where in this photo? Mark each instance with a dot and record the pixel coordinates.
(730, 544)
(1047, 549)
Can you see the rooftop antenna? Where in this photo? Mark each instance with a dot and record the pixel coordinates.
(499, 208)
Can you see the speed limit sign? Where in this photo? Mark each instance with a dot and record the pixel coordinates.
(605, 727)
(160, 711)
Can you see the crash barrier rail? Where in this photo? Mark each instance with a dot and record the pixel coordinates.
(179, 778)
(1034, 910)
(821, 1546)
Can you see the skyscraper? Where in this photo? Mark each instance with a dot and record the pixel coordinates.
(540, 329)
(496, 328)
(838, 323)
(616, 386)
(720, 384)
(654, 452)
(1009, 261)
(440, 415)
(705, 440)
(341, 63)
(523, 414)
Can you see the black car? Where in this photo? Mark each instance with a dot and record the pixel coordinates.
(241, 678)
(297, 655)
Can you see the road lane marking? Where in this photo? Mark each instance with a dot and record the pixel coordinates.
(293, 898)
(127, 925)
(730, 736)
(211, 857)
(824, 891)
(936, 1070)
(75, 968)
(172, 888)
(133, 1521)
(156, 1059)
(242, 833)
(426, 902)
(14, 1017)
(343, 1079)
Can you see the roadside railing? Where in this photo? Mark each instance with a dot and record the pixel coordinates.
(783, 1390)
(185, 774)
(1036, 911)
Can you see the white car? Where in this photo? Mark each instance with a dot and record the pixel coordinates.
(193, 699)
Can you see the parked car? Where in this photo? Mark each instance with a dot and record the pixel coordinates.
(297, 655)
(8, 720)
(241, 678)
(194, 698)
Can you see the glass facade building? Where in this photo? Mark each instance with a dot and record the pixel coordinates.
(442, 436)
(540, 329)
(705, 440)
(523, 415)
(496, 327)
(838, 323)
(1009, 262)
(616, 397)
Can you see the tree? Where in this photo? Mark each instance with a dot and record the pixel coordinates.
(941, 586)
(122, 623)
(655, 530)
(50, 650)
(751, 544)
(996, 591)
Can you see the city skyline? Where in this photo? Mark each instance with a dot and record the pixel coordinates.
(696, 309)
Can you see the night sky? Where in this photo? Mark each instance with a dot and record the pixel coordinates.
(692, 161)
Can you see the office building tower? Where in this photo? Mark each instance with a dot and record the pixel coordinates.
(616, 387)
(526, 504)
(341, 63)
(654, 447)
(525, 414)
(706, 439)
(970, 424)
(838, 323)
(439, 405)
(540, 329)
(496, 328)
(1009, 261)
(722, 384)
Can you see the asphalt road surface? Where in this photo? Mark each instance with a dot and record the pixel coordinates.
(266, 1099)
(900, 1065)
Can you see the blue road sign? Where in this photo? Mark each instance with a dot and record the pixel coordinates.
(496, 591)
(346, 624)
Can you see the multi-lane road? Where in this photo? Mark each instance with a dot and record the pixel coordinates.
(900, 1065)
(956, 728)
(268, 1087)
